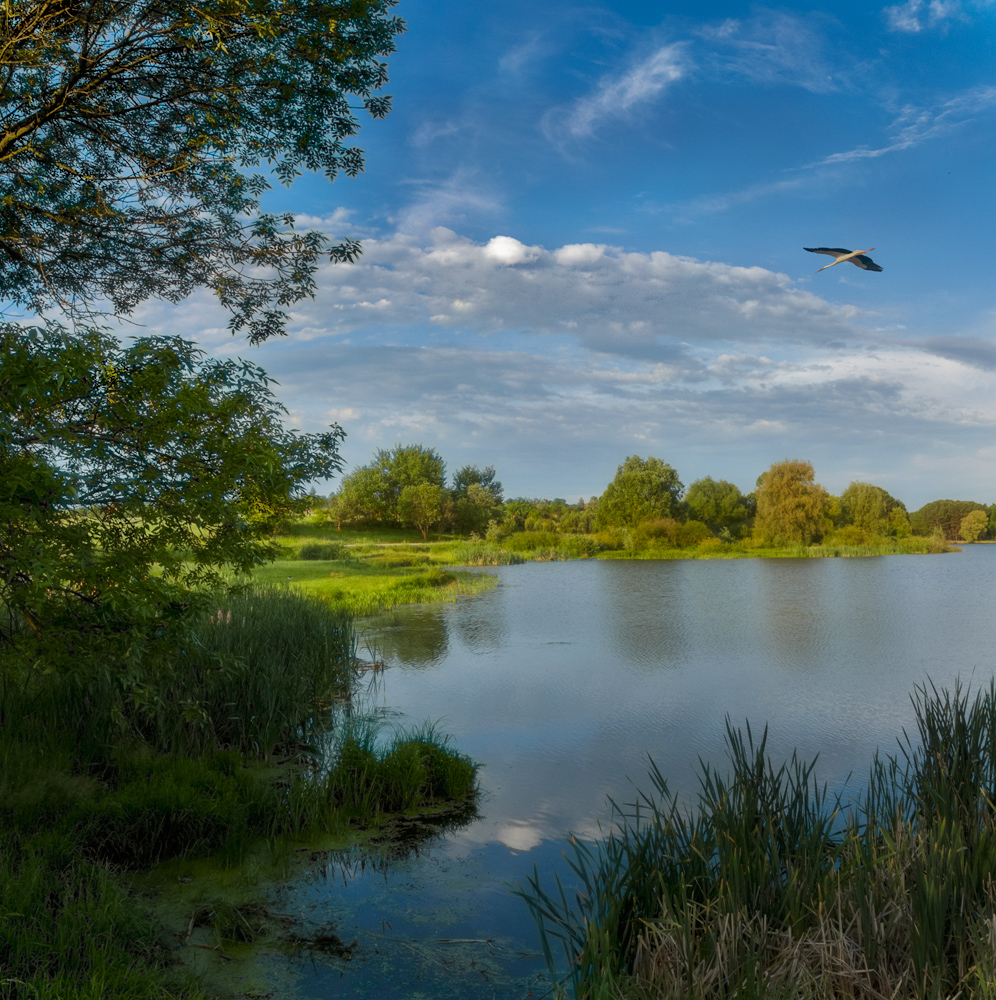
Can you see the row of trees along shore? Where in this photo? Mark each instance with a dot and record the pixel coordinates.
(645, 506)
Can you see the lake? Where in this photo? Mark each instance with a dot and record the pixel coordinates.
(566, 677)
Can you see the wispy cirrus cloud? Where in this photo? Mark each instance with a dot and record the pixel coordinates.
(916, 125)
(619, 93)
(773, 47)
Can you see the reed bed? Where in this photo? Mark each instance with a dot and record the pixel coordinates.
(238, 736)
(771, 888)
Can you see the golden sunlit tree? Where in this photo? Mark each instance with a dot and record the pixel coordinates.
(791, 507)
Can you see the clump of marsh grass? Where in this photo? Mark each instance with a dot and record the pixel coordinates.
(323, 550)
(255, 674)
(416, 769)
(770, 887)
(484, 554)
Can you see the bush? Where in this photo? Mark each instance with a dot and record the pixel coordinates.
(577, 546)
(692, 533)
(709, 545)
(662, 533)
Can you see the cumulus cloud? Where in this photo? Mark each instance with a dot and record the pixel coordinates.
(622, 303)
(619, 93)
(553, 364)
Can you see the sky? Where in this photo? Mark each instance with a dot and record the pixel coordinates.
(583, 230)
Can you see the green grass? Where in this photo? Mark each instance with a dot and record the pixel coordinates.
(770, 888)
(914, 545)
(365, 572)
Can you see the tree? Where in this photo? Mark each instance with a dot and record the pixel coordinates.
(943, 514)
(473, 510)
(641, 491)
(720, 505)
(422, 505)
(360, 498)
(791, 507)
(132, 476)
(469, 475)
(126, 134)
(973, 525)
(402, 466)
(870, 508)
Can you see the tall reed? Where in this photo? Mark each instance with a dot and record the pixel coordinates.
(770, 887)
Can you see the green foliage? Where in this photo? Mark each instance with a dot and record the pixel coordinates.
(70, 930)
(126, 131)
(870, 509)
(667, 533)
(771, 888)
(486, 478)
(474, 509)
(943, 514)
(422, 505)
(973, 525)
(791, 507)
(721, 506)
(372, 493)
(641, 491)
(130, 475)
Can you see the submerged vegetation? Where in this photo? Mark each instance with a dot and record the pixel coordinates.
(770, 887)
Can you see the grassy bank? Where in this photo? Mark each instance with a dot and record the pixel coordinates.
(231, 742)
(770, 888)
(368, 572)
(372, 570)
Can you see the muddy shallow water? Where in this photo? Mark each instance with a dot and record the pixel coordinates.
(562, 681)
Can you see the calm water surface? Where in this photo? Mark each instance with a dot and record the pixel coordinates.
(565, 678)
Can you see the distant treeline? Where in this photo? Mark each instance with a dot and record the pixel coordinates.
(646, 506)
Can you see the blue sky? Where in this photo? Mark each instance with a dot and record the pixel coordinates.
(583, 230)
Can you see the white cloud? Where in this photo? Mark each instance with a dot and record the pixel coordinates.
(463, 193)
(554, 364)
(772, 47)
(915, 15)
(914, 125)
(618, 94)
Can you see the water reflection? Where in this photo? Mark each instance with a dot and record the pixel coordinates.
(644, 611)
(482, 627)
(565, 678)
(797, 611)
(415, 637)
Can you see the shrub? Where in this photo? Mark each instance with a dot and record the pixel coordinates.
(693, 532)
(708, 545)
(662, 533)
(577, 546)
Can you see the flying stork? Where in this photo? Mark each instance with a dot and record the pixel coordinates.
(854, 256)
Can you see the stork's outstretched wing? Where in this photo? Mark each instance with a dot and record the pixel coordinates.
(833, 251)
(866, 262)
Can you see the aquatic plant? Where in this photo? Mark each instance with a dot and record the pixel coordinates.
(770, 887)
